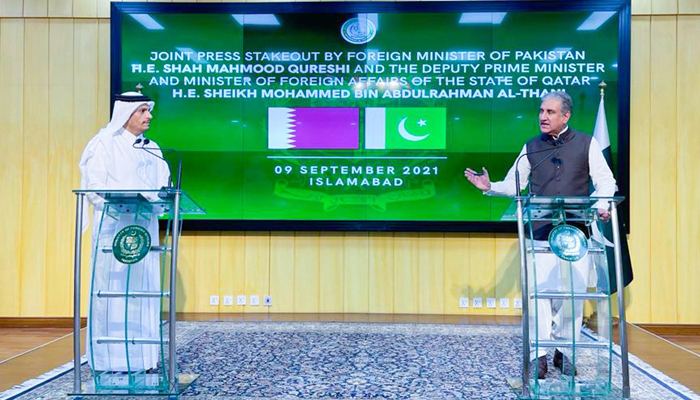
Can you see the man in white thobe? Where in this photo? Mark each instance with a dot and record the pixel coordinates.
(115, 160)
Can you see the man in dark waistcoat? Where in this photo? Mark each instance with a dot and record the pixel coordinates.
(558, 162)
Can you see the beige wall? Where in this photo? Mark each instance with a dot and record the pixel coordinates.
(54, 95)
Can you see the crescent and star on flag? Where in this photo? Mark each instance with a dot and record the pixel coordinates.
(407, 135)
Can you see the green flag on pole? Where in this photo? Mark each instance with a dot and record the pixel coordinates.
(601, 135)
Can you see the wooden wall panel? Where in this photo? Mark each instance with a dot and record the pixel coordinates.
(206, 277)
(103, 8)
(406, 275)
(84, 8)
(664, 6)
(640, 242)
(103, 78)
(85, 78)
(306, 272)
(11, 161)
(281, 256)
(481, 271)
(688, 149)
(689, 7)
(35, 8)
(331, 273)
(507, 263)
(11, 8)
(35, 167)
(641, 7)
(186, 272)
(664, 306)
(60, 8)
(257, 266)
(61, 202)
(356, 273)
(232, 269)
(381, 273)
(431, 278)
(456, 270)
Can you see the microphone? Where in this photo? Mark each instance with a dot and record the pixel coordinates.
(179, 158)
(557, 143)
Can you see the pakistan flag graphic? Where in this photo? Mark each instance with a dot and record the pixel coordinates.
(405, 128)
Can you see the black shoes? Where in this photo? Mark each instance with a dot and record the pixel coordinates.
(541, 367)
(563, 363)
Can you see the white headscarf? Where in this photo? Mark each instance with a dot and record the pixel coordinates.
(123, 111)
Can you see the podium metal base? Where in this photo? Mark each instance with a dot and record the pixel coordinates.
(559, 390)
(133, 385)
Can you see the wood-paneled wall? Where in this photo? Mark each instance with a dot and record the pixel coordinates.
(54, 95)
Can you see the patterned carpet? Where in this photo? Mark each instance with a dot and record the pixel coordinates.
(355, 360)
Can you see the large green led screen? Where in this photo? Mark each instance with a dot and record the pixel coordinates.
(364, 115)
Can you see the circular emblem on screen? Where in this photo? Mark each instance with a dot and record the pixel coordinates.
(358, 30)
(131, 244)
(568, 243)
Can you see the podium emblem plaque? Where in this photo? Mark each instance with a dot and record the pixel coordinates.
(131, 244)
(568, 243)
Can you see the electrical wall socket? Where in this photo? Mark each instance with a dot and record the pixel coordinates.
(240, 300)
(517, 302)
(228, 300)
(477, 302)
(267, 301)
(490, 302)
(254, 300)
(464, 302)
(504, 302)
(214, 300)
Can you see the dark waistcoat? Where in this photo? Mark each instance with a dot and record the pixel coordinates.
(563, 173)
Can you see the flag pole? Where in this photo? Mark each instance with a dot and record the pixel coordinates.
(593, 318)
(622, 327)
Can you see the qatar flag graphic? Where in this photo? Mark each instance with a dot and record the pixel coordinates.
(313, 128)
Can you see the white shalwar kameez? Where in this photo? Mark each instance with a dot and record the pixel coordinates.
(111, 162)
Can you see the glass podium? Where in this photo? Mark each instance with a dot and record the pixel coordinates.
(563, 257)
(130, 340)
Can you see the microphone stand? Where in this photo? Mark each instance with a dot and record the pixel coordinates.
(179, 160)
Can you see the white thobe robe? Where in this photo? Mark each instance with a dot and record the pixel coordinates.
(111, 162)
